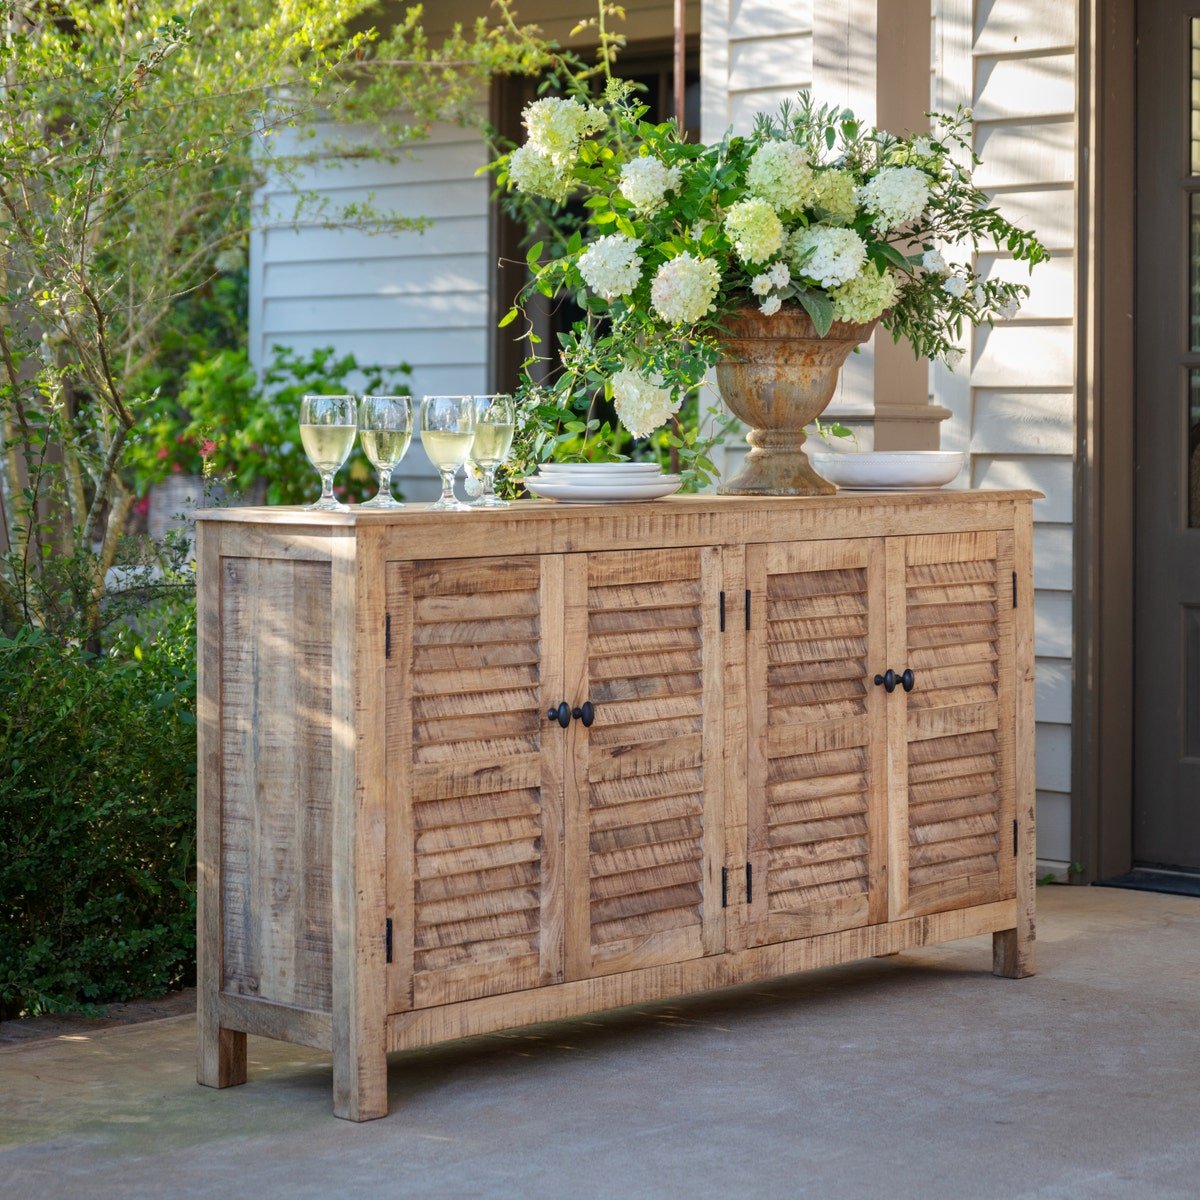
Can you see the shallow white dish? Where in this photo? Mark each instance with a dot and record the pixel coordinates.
(889, 470)
(600, 469)
(591, 493)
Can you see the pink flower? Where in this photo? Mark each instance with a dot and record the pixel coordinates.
(207, 448)
(142, 506)
(163, 452)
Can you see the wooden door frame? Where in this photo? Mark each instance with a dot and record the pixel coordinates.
(1102, 719)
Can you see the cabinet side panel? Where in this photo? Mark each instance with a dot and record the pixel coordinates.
(276, 848)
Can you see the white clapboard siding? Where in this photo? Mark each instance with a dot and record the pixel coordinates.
(1014, 63)
(418, 296)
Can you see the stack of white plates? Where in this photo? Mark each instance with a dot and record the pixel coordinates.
(590, 483)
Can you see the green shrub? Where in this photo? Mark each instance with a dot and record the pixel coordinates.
(97, 816)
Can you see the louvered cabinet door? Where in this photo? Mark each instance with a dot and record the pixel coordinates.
(816, 738)
(951, 737)
(644, 835)
(475, 778)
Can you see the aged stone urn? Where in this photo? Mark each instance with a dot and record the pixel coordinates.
(777, 377)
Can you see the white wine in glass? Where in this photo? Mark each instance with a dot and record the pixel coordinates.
(385, 427)
(327, 428)
(495, 421)
(447, 433)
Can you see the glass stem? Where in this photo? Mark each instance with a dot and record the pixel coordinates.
(385, 483)
(326, 485)
(489, 482)
(448, 486)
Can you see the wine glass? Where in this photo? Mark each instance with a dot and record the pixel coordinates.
(494, 424)
(385, 430)
(447, 431)
(327, 428)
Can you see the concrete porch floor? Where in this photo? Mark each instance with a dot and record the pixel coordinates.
(914, 1076)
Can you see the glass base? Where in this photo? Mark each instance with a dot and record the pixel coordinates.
(488, 502)
(324, 505)
(449, 506)
(382, 501)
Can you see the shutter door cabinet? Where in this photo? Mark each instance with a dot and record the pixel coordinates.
(464, 772)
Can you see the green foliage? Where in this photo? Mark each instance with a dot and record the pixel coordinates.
(97, 816)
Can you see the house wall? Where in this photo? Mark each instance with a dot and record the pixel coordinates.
(1013, 62)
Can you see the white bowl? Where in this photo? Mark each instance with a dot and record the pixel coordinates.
(889, 470)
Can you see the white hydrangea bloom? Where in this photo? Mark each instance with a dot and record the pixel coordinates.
(535, 174)
(953, 357)
(979, 295)
(755, 229)
(645, 182)
(642, 404)
(780, 274)
(829, 254)
(760, 285)
(864, 297)
(556, 126)
(835, 194)
(1010, 308)
(611, 266)
(932, 260)
(955, 286)
(896, 196)
(779, 173)
(684, 289)
(770, 306)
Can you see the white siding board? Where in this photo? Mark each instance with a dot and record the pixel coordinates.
(771, 63)
(1053, 826)
(419, 201)
(767, 18)
(425, 162)
(1048, 211)
(1051, 284)
(1054, 757)
(442, 311)
(416, 275)
(1015, 156)
(1053, 557)
(317, 244)
(745, 106)
(1052, 613)
(1050, 475)
(1023, 423)
(1053, 690)
(1023, 26)
(1011, 88)
(1013, 355)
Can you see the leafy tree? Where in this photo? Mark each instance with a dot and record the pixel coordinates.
(133, 141)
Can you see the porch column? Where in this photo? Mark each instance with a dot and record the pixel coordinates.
(874, 56)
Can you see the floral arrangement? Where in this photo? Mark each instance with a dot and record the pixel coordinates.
(812, 209)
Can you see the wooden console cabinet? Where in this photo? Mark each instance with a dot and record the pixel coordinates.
(462, 772)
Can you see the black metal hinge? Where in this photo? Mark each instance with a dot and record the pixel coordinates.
(747, 608)
(388, 939)
(721, 611)
(749, 883)
(724, 887)
(1014, 589)
(1014, 839)
(387, 636)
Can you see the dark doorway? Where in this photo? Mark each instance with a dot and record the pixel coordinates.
(1166, 694)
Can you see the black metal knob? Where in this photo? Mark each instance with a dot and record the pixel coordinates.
(586, 713)
(561, 714)
(888, 679)
(907, 679)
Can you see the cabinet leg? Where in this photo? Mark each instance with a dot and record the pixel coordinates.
(360, 1085)
(221, 1057)
(1013, 955)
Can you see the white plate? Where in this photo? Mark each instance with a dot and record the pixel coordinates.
(889, 470)
(566, 477)
(593, 493)
(618, 468)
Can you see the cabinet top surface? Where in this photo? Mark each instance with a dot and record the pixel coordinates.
(548, 510)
